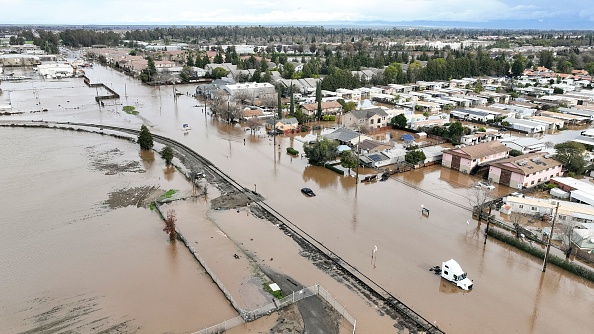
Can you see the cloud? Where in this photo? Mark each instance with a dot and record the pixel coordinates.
(283, 12)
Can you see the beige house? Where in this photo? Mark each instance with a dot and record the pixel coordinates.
(373, 118)
(330, 107)
(464, 159)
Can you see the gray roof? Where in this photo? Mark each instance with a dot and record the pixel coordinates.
(286, 121)
(367, 113)
(342, 134)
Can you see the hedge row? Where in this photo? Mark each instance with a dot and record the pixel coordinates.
(539, 253)
(337, 170)
(292, 151)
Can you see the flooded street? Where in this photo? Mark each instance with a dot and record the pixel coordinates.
(510, 293)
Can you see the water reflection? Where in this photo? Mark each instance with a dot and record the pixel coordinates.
(323, 177)
(147, 157)
(168, 173)
(537, 300)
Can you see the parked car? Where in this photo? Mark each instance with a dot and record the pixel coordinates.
(308, 192)
(485, 185)
(275, 132)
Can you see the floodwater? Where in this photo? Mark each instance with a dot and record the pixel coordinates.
(70, 263)
(511, 294)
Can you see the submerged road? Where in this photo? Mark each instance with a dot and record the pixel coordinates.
(349, 218)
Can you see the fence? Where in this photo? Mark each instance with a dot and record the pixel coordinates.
(294, 297)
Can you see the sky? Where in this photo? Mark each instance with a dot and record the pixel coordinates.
(551, 13)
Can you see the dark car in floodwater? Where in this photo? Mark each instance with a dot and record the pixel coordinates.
(308, 192)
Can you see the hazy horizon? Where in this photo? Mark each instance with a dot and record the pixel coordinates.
(486, 14)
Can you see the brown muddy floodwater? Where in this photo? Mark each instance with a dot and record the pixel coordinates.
(72, 264)
(510, 292)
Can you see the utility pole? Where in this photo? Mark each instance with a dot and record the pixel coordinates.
(488, 222)
(544, 265)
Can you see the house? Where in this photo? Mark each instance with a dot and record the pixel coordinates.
(464, 159)
(372, 118)
(250, 90)
(433, 153)
(568, 213)
(348, 94)
(472, 115)
(329, 107)
(578, 112)
(383, 158)
(551, 123)
(372, 146)
(416, 122)
(586, 137)
(285, 124)
(570, 119)
(346, 136)
(525, 171)
(480, 137)
(525, 125)
(252, 113)
(579, 191)
(524, 145)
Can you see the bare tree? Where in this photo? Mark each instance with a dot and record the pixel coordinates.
(479, 199)
(225, 107)
(254, 124)
(515, 218)
(268, 100)
(244, 97)
(219, 102)
(170, 224)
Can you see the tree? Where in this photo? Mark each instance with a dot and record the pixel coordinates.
(398, 122)
(167, 155)
(515, 153)
(455, 131)
(479, 199)
(149, 73)
(414, 157)
(321, 151)
(519, 65)
(218, 73)
(348, 160)
(347, 106)
(546, 59)
(218, 59)
(185, 74)
(170, 224)
(145, 138)
(571, 155)
(190, 61)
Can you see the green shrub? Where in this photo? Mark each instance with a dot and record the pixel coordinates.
(169, 193)
(277, 294)
(328, 118)
(292, 151)
(131, 110)
(337, 170)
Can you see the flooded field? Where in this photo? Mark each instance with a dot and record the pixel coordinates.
(71, 263)
(510, 295)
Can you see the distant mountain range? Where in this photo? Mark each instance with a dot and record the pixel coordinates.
(499, 24)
